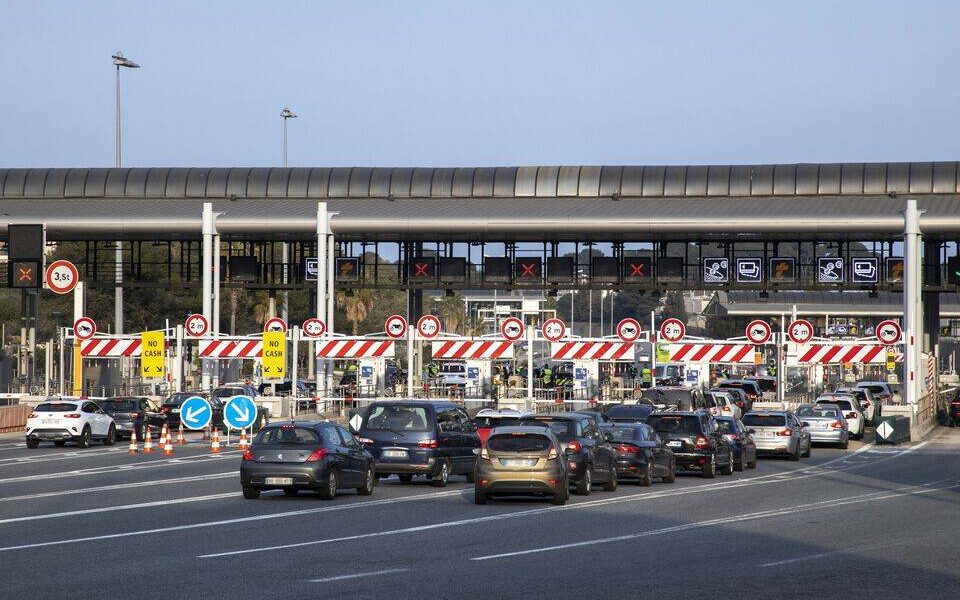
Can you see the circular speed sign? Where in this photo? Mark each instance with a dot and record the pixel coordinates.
(553, 329)
(196, 325)
(61, 276)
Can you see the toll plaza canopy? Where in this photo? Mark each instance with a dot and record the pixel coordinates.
(854, 303)
(547, 203)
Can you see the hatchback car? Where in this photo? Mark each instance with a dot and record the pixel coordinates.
(850, 408)
(641, 454)
(826, 424)
(721, 404)
(304, 455)
(599, 417)
(750, 388)
(590, 456)
(696, 441)
(431, 439)
(630, 413)
(739, 398)
(61, 421)
(489, 418)
(132, 414)
(779, 432)
(741, 438)
(521, 461)
(675, 398)
(881, 390)
(768, 386)
(869, 405)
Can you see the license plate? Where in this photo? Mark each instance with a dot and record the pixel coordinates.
(823, 426)
(517, 462)
(279, 481)
(51, 421)
(674, 444)
(769, 434)
(394, 454)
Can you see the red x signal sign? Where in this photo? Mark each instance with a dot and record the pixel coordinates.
(527, 269)
(420, 269)
(24, 274)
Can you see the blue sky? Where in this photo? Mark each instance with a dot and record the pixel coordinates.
(481, 83)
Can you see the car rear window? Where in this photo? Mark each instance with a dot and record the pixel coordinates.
(764, 420)
(392, 417)
(818, 411)
(767, 385)
(843, 404)
(874, 389)
(56, 407)
(624, 434)
(518, 442)
(564, 430)
(684, 424)
(742, 385)
(495, 421)
(176, 399)
(272, 436)
(119, 405)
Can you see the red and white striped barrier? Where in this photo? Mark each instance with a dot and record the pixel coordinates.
(237, 348)
(471, 349)
(355, 348)
(106, 348)
(592, 350)
(841, 353)
(711, 352)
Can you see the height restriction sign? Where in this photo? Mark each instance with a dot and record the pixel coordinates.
(274, 357)
(152, 365)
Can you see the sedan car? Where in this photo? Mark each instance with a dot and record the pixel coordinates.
(695, 440)
(641, 454)
(741, 438)
(826, 424)
(589, 455)
(132, 413)
(779, 432)
(521, 461)
(306, 455)
(850, 408)
(630, 413)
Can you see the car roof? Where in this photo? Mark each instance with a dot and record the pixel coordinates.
(780, 413)
(679, 413)
(416, 403)
(553, 417)
(503, 412)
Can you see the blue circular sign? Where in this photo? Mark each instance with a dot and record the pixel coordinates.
(195, 413)
(240, 412)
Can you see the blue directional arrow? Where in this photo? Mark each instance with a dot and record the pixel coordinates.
(240, 412)
(195, 413)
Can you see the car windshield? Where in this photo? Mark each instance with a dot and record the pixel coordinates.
(764, 420)
(683, 424)
(228, 392)
(640, 412)
(564, 430)
(767, 385)
(119, 405)
(518, 442)
(818, 411)
(56, 407)
(177, 399)
(393, 417)
(624, 434)
(743, 385)
(858, 394)
(286, 434)
(488, 422)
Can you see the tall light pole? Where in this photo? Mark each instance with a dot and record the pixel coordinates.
(285, 114)
(119, 60)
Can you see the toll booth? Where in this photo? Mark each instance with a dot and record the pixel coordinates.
(477, 355)
(699, 362)
(586, 356)
(155, 356)
(828, 363)
(368, 355)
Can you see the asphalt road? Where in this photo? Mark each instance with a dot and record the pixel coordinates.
(881, 521)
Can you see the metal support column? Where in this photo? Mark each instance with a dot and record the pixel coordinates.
(323, 229)
(206, 270)
(931, 300)
(531, 338)
(331, 297)
(215, 323)
(912, 325)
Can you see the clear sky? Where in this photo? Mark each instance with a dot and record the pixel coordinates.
(449, 83)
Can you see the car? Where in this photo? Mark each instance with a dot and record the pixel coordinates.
(696, 441)
(768, 387)
(778, 432)
(420, 437)
(589, 454)
(739, 398)
(601, 419)
(881, 390)
(641, 454)
(750, 388)
(630, 413)
(741, 438)
(851, 412)
(62, 420)
(132, 413)
(283, 389)
(826, 424)
(721, 403)
(521, 461)
(319, 456)
(953, 411)
(171, 408)
(868, 403)
(453, 374)
(228, 390)
(489, 418)
(675, 398)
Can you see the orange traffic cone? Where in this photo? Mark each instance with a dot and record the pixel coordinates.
(181, 441)
(163, 437)
(147, 443)
(168, 446)
(215, 444)
(242, 445)
(132, 449)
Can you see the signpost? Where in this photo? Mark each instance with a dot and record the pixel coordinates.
(628, 329)
(152, 363)
(84, 328)
(889, 332)
(61, 276)
(553, 329)
(428, 327)
(512, 329)
(239, 412)
(758, 332)
(395, 326)
(274, 325)
(800, 331)
(274, 359)
(673, 330)
(314, 327)
(195, 413)
(196, 325)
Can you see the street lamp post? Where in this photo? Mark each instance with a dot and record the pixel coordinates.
(285, 114)
(119, 60)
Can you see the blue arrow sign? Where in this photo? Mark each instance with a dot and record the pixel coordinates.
(195, 413)
(240, 412)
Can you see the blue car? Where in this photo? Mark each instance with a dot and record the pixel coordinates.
(744, 450)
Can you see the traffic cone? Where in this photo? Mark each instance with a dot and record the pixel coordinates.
(215, 444)
(242, 445)
(163, 437)
(147, 443)
(132, 449)
(168, 446)
(181, 441)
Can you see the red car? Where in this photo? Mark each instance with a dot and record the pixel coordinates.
(489, 418)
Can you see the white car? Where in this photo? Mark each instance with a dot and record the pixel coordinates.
(851, 412)
(869, 404)
(723, 405)
(64, 420)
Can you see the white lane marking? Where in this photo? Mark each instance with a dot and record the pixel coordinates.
(77, 453)
(165, 462)
(120, 486)
(292, 513)
(358, 575)
(103, 509)
(762, 480)
(791, 510)
(885, 544)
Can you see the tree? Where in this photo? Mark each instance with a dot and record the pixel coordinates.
(453, 313)
(355, 306)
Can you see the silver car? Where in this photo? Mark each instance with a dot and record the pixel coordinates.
(825, 423)
(778, 432)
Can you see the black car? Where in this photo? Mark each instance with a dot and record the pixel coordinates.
(751, 390)
(741, 438)
(590, 456)
(953, 412)
(132, 413)
(630, 413)
(641, 454)
(283, 389)
(673, 398)
(696, 441)
(433, 439)
(602, 419)
(171, 408)
(306, 455)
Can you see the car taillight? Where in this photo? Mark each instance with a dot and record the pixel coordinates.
(785, 432)
(247, 455)
(135, 415)
(552, 455)
(851, 415)
(725, 409)
(317, 454)
(431, 443)
(702, 443)
(164, 409)
(836, 425)
(574, 446)
(740, 403)
(485, 454)
(72, 416)
(628, 448)
(365, 441)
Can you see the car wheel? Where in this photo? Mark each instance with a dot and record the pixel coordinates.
(728, 468)
(84, 440)
(290, 491)
(586, 483)
(405, 478)
(251, 493)
(647, 479)
(443, 474)
(611, 484)
(710, 468)
(809, 449)
(111, 436)
(59, 443)
(368, 482)
(753, 463)
(329, 491)
(740, 464)
(471, 476)
(561, 497)
(795, 456)
(672, 475)
(479, 495)
(845, 444)
(33, 443)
